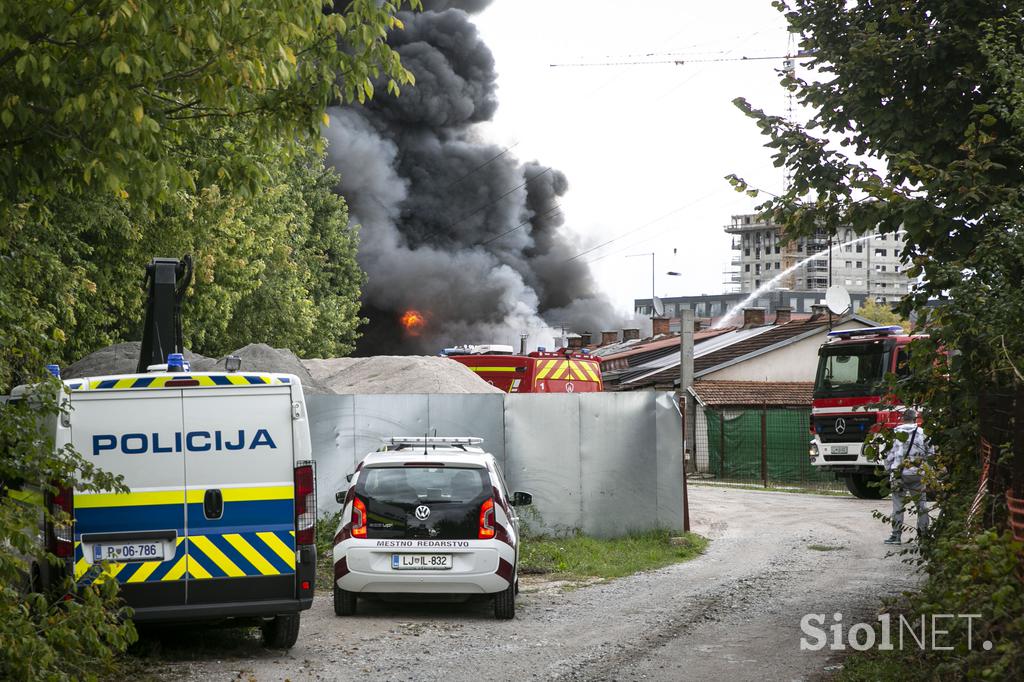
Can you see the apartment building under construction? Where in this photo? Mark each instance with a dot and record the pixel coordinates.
(867, 264)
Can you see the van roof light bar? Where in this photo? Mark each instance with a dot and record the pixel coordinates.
(865, 331)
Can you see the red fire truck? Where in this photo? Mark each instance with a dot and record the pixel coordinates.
(849, 404)
(562, 371)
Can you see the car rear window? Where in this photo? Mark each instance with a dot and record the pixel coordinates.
(422, 501)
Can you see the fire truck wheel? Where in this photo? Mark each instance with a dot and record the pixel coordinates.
(864, 486)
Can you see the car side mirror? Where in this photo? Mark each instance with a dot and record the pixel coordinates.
(521, 499)
(339, 496)
(348, 478)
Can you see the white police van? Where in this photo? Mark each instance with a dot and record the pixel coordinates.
(428, 515)
(220, 520)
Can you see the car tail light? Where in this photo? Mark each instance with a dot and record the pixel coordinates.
(305, 504)
(358, 518)
(487, 520)
(63, 534)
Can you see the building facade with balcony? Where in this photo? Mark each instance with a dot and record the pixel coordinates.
(867, 264)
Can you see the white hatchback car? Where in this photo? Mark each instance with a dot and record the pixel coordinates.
(428, 515)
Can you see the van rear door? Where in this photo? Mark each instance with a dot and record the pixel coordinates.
(135, 433)
(239, 477)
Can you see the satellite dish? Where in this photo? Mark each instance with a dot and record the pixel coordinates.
(659, 307)
(837, 299)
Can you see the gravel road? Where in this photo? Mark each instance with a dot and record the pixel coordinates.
(732, 614)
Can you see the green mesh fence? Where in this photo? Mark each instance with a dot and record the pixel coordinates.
(762, 446)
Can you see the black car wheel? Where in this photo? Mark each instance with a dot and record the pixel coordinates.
(505, 603)
(344, 602)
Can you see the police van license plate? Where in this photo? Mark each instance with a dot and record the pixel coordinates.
(129, 551)
(840, 449)
(421, 562)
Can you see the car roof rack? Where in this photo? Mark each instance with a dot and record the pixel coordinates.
(403, 442)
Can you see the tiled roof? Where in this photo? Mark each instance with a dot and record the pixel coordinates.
(746, 393)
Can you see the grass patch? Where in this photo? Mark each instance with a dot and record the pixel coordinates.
(825, 548)
(873, 665)
(579, 556)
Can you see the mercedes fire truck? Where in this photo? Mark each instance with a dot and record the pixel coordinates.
(850, 404)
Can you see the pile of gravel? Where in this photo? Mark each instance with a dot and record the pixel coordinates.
(380, 374)
(122, 358)
(397, 374)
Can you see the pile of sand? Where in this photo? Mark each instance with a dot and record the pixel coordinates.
(380, 374)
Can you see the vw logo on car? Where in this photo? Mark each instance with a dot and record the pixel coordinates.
(422, 512)
(840, 425)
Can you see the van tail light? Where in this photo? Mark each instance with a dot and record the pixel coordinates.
(358, 518)
(487, 520)
(305, 504)
(62, 535)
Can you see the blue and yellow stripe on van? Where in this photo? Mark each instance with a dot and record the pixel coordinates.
(254, 537)
(160, 381)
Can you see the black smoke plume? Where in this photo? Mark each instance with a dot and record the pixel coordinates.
(452, 226)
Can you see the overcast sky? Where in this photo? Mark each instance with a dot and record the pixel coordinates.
(641, 145)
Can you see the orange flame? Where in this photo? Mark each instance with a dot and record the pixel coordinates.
(413, 321)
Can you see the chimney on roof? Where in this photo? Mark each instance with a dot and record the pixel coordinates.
(818, 311)
(753, 317)
(584, 339)
(609, 338)
(697, 325)
(575, 341)
(630, 334)
(783, 315)
(659, 326)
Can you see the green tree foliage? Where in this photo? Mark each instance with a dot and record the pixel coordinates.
(918, 126)
(142, 128)
(70, 632)
(277, 267)
(882, 313)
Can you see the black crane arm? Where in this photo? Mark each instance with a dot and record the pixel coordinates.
(166, 281)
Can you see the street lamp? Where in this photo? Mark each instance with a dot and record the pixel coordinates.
(651, 254)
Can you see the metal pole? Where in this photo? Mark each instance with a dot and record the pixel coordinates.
(690, 406)
(654, 312)
(721, 444)
(830, 277)
(764, 445)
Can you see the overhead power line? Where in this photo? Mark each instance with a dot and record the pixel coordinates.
(543, 214)
(640, 227)
(683, 62)
(485, 163)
